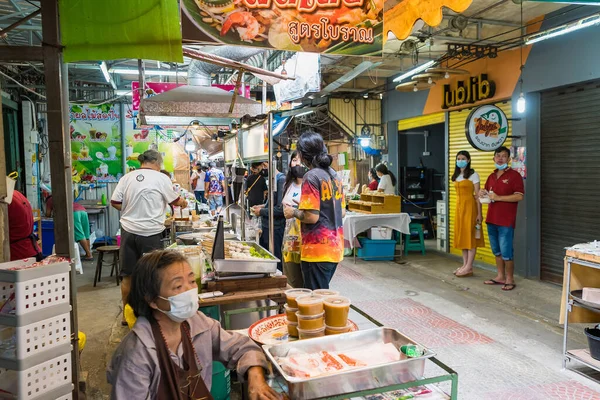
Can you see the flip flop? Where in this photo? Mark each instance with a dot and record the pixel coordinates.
(464, 275)
(493, 282)
(124, 323)
(87, 259)
(508, 287)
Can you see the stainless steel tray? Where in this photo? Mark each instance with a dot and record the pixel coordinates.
(260, 266)
(364, 378)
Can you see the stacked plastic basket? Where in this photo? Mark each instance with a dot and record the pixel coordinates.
(35, 331)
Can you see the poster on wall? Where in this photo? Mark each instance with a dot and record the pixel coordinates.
(95, 142)
(138, 141)
(347, 27)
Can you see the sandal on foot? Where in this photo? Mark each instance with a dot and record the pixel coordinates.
(508, 287)
(493, 282)
(124, 323)
(464, 275)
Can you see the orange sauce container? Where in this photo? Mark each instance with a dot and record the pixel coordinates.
(293, 293)
(336, 311)
(326, 292)
(309, 334)
(310, 322)
(291, 313)
(292, 329)
(331, 330)
(310, 304)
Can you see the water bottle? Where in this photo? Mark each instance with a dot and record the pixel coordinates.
(491, 192)
(478, 231)
(103, 200)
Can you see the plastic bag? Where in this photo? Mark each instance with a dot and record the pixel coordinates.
(292, 240)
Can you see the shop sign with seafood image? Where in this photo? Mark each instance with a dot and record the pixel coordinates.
(347, 27)
(487, 128)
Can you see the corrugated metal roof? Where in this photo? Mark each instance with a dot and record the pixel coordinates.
(30, 32)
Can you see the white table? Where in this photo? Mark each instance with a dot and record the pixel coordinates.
(355, 223)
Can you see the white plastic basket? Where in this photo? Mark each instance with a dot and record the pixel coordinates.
(37, 381)
(36, 288)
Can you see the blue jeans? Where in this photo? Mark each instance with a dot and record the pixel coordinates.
(200, 196)
(501, 240)
(317, 275)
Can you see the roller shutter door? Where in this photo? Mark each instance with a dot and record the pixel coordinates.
(570, 173)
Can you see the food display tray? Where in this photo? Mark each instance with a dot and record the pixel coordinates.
(257, 266)
(354, 380)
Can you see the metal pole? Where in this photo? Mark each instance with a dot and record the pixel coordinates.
(243, 214)
(123, 140)
(271, 183)
(264, 85)
(142, 88)
(56, 75)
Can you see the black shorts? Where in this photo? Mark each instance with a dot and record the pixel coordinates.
(133, 248)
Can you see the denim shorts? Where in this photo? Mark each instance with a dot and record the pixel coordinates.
(215, 201)
(501, 240)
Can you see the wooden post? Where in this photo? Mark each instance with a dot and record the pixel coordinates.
(59, 140)
(5, 249)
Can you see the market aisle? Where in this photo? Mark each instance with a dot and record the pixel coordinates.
(99, 318)
(498, 352)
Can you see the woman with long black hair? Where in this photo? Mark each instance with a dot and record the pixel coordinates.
(321, 209)
(373, 180)
(468, 213)
(387, 180)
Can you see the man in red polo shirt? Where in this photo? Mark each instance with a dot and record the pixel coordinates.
(505, 189)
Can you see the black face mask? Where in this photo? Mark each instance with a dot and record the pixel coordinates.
(298, 171)
(264, 172)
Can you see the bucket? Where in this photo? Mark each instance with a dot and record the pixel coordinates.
(221, 382)
(593, 337)
(47, 236)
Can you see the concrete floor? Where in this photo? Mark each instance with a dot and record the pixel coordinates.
(504, 345)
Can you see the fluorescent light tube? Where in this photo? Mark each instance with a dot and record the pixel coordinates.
(130, 71)
(104, 70)
(304, 113)
(124, 93)
(415, 71)
(564, 29)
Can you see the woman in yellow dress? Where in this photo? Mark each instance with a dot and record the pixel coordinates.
(467, 226)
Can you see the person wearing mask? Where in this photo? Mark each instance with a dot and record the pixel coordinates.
(467, 224)
(321, 211)
(214, 185)
(142, 196)
(387, 180)
(81, 226)
(504, 188)
(197, 180)
(292, 190)
(278, 217)
(256, 185)
(23, 243)
(373, 180)
(170, 351)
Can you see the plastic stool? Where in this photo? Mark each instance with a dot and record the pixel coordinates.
(114, 250)
(415, 229)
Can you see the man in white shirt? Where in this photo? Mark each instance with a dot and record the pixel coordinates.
(142, 196)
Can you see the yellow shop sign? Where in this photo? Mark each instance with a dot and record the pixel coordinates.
(475, 89)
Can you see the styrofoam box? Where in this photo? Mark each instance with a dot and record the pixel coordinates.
(379, 233)
(441, 207)
(441, 232)
(39, 380)
(36, 288)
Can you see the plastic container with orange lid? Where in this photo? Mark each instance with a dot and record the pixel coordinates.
(336, 311)
(293, 293)
(291, 313)
(310, 304)
(326, 292)
(309, 322)
(292, 328)
(332, 330)
(312, 333)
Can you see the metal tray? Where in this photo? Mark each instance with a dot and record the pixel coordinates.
(365, 378)
(260, 266)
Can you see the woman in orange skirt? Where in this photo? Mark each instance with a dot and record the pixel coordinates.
(467, 223)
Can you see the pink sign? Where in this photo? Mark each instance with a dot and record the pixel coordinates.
(154, 88)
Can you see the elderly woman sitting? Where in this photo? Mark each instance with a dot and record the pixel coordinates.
(169, 352)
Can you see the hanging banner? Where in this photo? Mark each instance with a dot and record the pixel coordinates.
(138, 141)
(95, 142)
(346, 27)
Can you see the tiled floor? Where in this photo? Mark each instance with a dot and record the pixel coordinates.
(498, 353)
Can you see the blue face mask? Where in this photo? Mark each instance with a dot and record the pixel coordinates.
(462, 163)
(501, 167)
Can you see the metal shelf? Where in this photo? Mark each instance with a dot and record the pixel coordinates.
(574, 302)
(584, 357)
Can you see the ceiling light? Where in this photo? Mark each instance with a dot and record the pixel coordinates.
(415, 71)
(304, 113)
(366, 95)
(104, 70)
(430, 80)
(123, 93)
(364, 141)
(190, 145)
(564, 29)
(521, 104)
(130, 71)
(415, 88)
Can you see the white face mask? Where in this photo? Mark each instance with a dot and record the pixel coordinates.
(183, 306)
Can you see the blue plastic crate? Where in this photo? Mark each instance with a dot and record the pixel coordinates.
(376, 250)
(47, 236)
